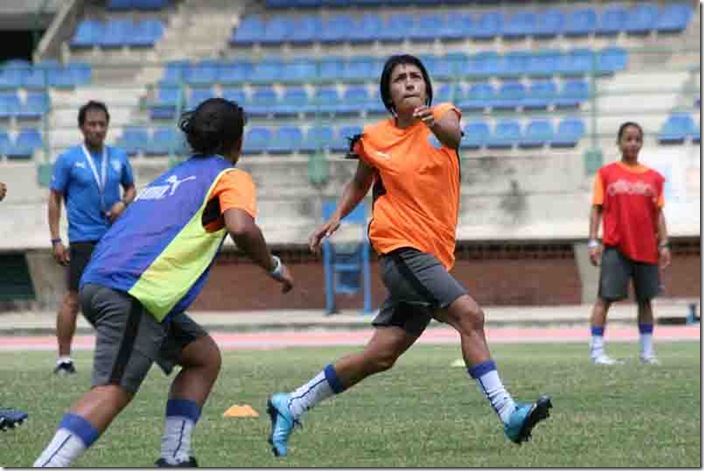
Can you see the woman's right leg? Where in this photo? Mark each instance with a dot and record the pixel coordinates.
(387, 344)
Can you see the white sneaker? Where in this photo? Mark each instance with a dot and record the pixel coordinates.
(649, 360)
(606, 360)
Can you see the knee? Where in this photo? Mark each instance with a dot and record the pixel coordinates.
(71, 302)
(469, 316)
(208, 356)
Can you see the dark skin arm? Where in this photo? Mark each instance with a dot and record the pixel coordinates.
(249, 238)
(352, 194)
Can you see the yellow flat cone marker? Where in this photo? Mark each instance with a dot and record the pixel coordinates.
(457, 363)
(240, 411)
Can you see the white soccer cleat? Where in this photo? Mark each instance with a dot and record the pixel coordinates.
(649, 360)
(606, 360)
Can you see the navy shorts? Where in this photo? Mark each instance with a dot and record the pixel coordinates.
(418, 285)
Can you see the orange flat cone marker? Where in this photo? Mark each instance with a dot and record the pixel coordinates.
(240, 411)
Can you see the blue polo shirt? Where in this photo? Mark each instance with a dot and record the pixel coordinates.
(85, 206)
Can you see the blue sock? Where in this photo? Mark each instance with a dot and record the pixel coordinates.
(74, 435)
(323, 385)
(596, 347)
(646, 340)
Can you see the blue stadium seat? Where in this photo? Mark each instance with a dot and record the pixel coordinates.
(34, 106)
(515, 63)
(149, 4)
(235, 94)
(674, 18)
(326, 99)
(134, 139)
(257, 140)
(337, 29)
(538, 133)
(642, 19)
(307, 30)
(286, 139)
(489, 25)
(341, 142)
(458, 63)
(236, 72)
(248, 32)
(541, 95)
(5, 142)
(116, 32)
(476, 135)
(507, 133)
(578, 61)
(202, 73)
(37, 78)
(267, 71)
(361, 69)
(438, 67)
(262, 102)
(27, 141)
(166, 104)
(278, 30)
(87, 34)
(446, 92)
(146, 33)
(483, 64)
(119, 5)
(318, 138)
(573, 94)
(198, 95)
(611, 59)
(81, 72)
(9, 104)
(479, 96)
(397, 27)
(581, 22)
(294, 101)
(612, 21)
(677, 128)
(510, 95)
(457, 26)
(569, 132)
(544, 63)
(299, 71)
(366, 29)
(165, 140)
(354, 100)
(430, 26)
(520, 25)
(549, 23)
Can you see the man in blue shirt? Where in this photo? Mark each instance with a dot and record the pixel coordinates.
(88, 177)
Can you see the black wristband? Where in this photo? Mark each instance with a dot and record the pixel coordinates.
(55, 241)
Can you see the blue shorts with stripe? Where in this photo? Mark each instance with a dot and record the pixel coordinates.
(418, 285)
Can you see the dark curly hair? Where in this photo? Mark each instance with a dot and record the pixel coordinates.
(214, 127)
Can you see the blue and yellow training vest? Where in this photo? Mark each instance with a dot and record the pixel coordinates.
(158, 250)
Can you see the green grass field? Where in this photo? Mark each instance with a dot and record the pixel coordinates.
(421, 413)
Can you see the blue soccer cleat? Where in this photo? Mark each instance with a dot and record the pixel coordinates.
(11, 417)
(525, 417)
(282, 422)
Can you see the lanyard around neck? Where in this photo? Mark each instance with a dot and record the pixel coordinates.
(103, 169)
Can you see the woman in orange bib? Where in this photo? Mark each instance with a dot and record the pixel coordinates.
(411, 160)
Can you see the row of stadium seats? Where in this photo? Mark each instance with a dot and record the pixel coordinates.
(48, 73)
(265, 101)
(370, 27)
(116, 33)
(678, 128)
(24, 143)
(34, 105)
(541, 63)
(289, 139)
(364, 3)
(145, 5)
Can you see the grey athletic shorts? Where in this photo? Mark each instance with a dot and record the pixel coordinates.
(418, 284)
(617, 271)
(129, 339)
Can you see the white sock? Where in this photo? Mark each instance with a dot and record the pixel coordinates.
(488, 380)
(322, 386)
(64, 359)
(176, 440)
(73, 437)
(596, 346)
(646, 340)
(181, 418)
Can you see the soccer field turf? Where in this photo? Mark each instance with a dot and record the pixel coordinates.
(423, 412)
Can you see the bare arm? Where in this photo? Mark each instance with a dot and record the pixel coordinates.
(249, 238)
(663, 241)
(130, 194)
(352, 194)
(594, 246)
(447, 130)
(54, 213)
